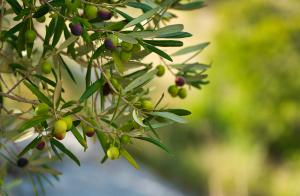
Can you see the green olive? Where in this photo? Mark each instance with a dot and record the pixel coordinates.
(126, 46)
(147, 105)
(182, 93)
(136, 48)
(46, 67)
(113, 153)
(125, 56)
(160, 70)
(69, 121)
(173, 90)
(41, 109)
(90, 11)
(125, 139)
(30, 36)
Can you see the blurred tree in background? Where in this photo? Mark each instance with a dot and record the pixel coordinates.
(245, 124)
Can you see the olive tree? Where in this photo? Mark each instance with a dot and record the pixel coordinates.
(38, 42)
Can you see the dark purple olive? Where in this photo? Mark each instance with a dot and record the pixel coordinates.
(41, 145)
(76, 29)
(109, 45)
(22, 162)
(105, 14)
(106, 89)
(179, 81)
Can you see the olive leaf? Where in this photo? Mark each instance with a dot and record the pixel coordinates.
(170, 116)
(61, 147)
(198, 47)
(143, 17)
(129, 158)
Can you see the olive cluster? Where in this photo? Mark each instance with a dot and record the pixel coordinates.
(177, 89)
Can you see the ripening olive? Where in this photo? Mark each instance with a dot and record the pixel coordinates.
(160, 70)
(179, 81)
(104, 14)
(41, 145)
(108, 44)
(60, 129)
(173, 90)
(89, 131)
(114, 38)
(106, 89)
(113, 153)
(76, 29)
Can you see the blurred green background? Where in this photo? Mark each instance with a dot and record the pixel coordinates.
(244, 135)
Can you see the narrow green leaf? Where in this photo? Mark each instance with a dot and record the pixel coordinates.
(142, 17)
(157, 51)
(127, 38)
(102, 140)
(57, 94)
(152, 129)
(189, 6)
(62, 61)
(16, 7)
(38, 93)
(128, 18)
(139, 5)
(41, 11)
(79, 137)
(74, 111)
(164, 43)
(30, 146)
(47, 80)
(155, 142)
(59, 27)
(157, 33)
(118, 63)
(68, 104)
(66, 43)
(176, 35)
(129, 158)
(175, 28)
(179, 112)
(60, 146)
(91, 90)
(137, 119)
(198, 47)
(32, 122)
(98, 52)
(170, 116)
(140, 81)
(191, 67)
